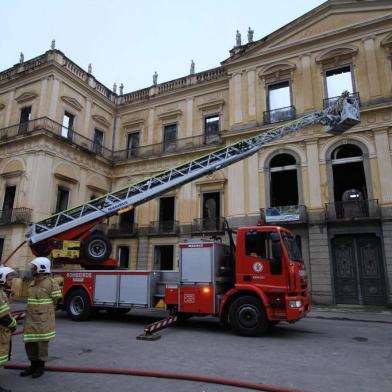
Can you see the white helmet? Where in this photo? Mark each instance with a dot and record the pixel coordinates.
(4, 272)
(42, 264)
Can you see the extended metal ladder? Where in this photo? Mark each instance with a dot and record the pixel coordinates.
(343, 114)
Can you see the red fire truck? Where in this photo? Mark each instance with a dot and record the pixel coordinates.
(250, 284)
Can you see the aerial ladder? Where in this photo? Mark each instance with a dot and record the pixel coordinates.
(78, 223)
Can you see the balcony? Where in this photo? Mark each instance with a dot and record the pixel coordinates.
(352, 210)
(122, 230)
(172, 147)
(279, 115)
(163, 228)
(15, 216)
(206, 225)
(64, 134)
(278, 214)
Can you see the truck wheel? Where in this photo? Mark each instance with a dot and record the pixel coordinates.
(247, 317)
(78, 305)
(97, 248)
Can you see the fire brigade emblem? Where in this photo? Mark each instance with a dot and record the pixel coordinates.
(257, 267)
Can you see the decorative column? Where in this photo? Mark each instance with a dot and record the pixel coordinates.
(308, 101)
(372, 69)
(87, 117)
(235, 86)
(9, 108)
(189, 117)
(54, 98)
(252, 94)
(313, 174)
(42, 97)
(150, 126)
(381, 139)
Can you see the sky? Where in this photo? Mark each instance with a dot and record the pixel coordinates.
(126, 41)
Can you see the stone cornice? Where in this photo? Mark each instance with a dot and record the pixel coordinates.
(170, 114)
(101, 120)
(218, 103)
(72, 102)
(27, 96)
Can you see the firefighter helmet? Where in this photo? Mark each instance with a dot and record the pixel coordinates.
(4, 272)
(42, 264)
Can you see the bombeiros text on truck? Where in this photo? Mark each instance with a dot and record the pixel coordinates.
(256, 280)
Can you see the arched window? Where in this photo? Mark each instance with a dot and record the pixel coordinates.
(283, 180)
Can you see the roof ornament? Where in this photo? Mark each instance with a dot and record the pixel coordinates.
(90, 69)
(115, 88)
(238, 39)
(53, 44)
(121, 89)
(250, 35)
(21, 57)
(192, 70)
(155, 78)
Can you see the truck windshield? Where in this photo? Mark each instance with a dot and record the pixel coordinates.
(292, 246)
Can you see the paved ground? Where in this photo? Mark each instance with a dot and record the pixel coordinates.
(334, 349)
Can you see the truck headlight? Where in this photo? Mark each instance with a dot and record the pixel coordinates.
(295, 303)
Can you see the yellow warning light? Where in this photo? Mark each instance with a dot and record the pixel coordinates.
(206, 290)
(125, 209)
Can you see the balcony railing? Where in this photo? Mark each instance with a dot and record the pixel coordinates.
(127, 230)
(163, 227)
(206, 225)
(175, 146)
(15, 216)
(353, 99)
(278, 115)
(65, 134)
(354, 209)
(294, 213)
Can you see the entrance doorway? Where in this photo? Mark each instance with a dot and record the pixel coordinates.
(358, 270)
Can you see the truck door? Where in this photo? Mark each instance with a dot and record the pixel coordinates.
(259, 266)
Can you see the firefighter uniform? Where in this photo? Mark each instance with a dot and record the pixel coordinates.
(7, 325)
(7, 322)
(39, 326)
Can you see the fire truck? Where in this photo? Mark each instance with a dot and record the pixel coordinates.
(256, 280)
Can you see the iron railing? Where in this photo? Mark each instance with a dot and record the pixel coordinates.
(293, 213)
(15, 216)
(207, 225)
(65, 134)
(174, 146)
(353, 209)
(328, 102)
(278, 115)
(121, 229)
(163, 227)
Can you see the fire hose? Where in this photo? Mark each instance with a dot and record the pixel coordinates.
(168, 375)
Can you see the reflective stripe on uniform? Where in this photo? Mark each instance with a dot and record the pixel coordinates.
(31, 337)
(12, 324)
(56, 293)
(3, 359)
(4, 308)
(42, 301)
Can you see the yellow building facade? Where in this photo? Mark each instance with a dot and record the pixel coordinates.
(65, 138)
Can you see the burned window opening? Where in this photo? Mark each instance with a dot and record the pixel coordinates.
(163, 257)
(283, 181)
(339, 80)
(348, 177)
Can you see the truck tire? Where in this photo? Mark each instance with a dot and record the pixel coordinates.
(247, 317)
(78, 305)
(97, 248)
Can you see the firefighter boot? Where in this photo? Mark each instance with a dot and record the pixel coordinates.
(40, 369)
(30, 370)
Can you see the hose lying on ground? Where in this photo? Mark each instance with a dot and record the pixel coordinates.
(174, 376)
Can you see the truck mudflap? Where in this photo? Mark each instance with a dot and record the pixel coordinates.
(297, 307)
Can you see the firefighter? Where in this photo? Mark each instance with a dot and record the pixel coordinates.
(39, 327)
(7, 322)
